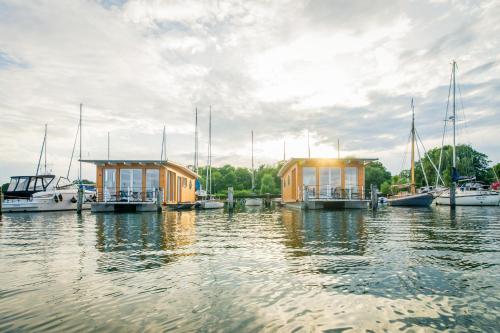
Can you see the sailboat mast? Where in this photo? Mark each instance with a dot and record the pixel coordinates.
(454, 168)
(253, 170)
(454, 118)
(210, 148)
(284, 149)
(108, 146)
(308, 145)
(45, 140)
(196, 140)
(80, 171)
(41, 151)
(412, 184)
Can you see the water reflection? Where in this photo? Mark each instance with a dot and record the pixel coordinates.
(325, 232)
(145, 241)
(252, 270)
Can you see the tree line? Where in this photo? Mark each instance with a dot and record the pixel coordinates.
(469, 163)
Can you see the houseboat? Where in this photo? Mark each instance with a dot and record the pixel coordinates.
(142, 185)
(317, 183)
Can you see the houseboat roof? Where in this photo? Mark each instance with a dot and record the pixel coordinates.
(291, 161)
(157, 162)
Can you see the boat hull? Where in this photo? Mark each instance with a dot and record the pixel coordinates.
(487, 199)
(211, 204)
(416, 200)
(47, 202)
(253, 202)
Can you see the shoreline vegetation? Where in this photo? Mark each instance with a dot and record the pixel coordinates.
(470, 162)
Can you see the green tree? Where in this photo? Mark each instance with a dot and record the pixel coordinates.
(243, 179)
(5, 187)
(470, 162)
(376, 173)
(267, 184)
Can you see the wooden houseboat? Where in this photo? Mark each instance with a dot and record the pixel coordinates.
(142, 185)
(316, 183)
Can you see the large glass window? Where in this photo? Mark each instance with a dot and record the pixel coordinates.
(131, 183)
(12, 185)
(330, 182)
(351, 179)
(31, 186)
(109, 184)
(39, 184)
(22, 184)
(309, 180)
(152, 182)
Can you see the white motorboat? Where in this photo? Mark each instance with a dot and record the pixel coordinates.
(43, 193)
(253, 202)
(471, 194)
(211, 204)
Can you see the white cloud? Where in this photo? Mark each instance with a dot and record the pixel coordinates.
(341, 69)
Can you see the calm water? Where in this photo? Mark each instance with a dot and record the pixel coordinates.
(277, 270)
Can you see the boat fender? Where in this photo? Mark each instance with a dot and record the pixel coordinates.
(60, 197)
(56, 199)
(73, 200)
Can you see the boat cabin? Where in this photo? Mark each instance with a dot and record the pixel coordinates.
(23, 187)
(323, 180)
(143, 181)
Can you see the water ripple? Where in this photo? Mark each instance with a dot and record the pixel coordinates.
(256, 270)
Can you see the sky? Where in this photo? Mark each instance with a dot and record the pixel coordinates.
(340, 70)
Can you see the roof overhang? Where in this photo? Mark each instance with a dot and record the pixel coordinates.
(292, 161)
(142, 163)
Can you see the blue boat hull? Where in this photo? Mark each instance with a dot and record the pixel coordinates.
(416, 200)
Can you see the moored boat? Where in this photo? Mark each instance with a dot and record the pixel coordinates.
(254, 201)
(412, 199)
(416, 200)
(43, 193)
(471, 194)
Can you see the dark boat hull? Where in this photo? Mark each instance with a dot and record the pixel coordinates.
(415, 200)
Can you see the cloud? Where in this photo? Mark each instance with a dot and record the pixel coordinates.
(340, 69)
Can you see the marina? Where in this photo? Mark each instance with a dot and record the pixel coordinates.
(246, 166)
(409, 269)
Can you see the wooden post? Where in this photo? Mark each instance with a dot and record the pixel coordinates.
(230, 198)
(159, 200)
(79, 203)
(453, 189)
(374, 197)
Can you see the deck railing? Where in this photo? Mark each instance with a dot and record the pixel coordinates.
(130, 194)
(330, 192)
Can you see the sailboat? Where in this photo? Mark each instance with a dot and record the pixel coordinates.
(412, 199)
(254, 201)
(210, 202)
(44, 191)
(470, 192)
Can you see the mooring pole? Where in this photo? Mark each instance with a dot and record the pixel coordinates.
(1, 201)
(454, 172)
(159, 200)
(230, 198)
(374, 196)
(80, 185)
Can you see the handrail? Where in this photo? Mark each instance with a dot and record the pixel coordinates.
(131, 194)
(328, 192)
